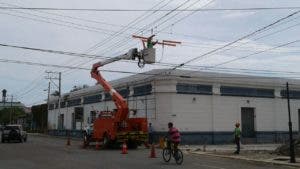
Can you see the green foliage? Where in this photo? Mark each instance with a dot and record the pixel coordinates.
(15, 112)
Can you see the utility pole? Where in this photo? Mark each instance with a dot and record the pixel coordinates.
(292, 150)
(53, 76)
(59, 84)
(48, 98)
(10, 115)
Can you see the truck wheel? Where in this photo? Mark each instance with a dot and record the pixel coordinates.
(132, 144)
(25, 139)
(21, 139)
(2, 140)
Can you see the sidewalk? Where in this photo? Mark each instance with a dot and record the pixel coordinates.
(263, 153)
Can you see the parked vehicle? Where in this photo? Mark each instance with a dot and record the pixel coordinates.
(13, 132)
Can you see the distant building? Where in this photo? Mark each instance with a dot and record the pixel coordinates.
(203, 106)
(9, 104)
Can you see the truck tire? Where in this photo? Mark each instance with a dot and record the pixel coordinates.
(2, 140)
(132, 144)
(14, 135)
(25, 139)
(21, 139)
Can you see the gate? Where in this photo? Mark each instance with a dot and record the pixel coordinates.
(248, 127)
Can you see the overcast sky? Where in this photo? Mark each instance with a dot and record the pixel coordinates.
(199, 32)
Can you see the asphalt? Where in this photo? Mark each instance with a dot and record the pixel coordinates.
(52, 153)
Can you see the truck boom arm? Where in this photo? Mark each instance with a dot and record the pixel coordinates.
(120, 102)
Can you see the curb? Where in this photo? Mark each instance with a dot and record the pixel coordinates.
(247, 159)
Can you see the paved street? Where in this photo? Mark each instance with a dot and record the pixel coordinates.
(51, 153)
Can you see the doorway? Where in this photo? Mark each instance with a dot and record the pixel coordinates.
(248, 122)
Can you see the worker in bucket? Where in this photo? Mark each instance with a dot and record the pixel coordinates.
(174, 138)
(237, 138)
(150, 43)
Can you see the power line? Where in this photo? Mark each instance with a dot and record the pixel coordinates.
(123, 41)
(150, 10)
(137, 20)
(122, 30)
(19, 92)
(231, 43)
(252, 54)
(237, 40)
(130, 61)
(103, 42)
(62, 23)
(88, 69)
(54, 51)
(243, 57)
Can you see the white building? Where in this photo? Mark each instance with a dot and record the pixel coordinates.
(203, 106)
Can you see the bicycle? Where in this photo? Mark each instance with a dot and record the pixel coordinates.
(169, 152)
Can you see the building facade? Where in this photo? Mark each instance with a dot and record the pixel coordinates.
(203, 106)
(11, 104)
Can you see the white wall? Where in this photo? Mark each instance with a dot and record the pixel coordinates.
(143, 104)
(195, 113)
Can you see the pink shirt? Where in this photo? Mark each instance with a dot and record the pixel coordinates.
(174, 134)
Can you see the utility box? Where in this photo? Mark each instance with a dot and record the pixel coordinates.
(149, 55)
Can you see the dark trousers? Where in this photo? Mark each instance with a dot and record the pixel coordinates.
(238, 146)
(150, 138)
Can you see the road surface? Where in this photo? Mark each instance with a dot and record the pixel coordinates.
(41, 152)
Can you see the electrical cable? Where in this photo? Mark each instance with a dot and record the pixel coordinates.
(150, 10)
(135, 21)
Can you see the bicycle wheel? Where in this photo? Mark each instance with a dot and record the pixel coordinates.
(166, 153)
(179, 158)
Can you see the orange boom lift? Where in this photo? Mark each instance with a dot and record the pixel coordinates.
(115, 127)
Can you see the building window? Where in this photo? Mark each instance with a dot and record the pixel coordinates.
(56, 105)
(92, 99)
(142, 90)
(247, 92)
(51, 106)
(107, 97)
(293, 94)
(62, 104)
(124, 92)
(74, 102)
(92, 116)
(184, 88)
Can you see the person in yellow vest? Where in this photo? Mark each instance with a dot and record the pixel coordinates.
(237, 138)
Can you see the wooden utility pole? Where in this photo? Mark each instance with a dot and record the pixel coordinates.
(59, 84)
(292, 150)
(11, 109)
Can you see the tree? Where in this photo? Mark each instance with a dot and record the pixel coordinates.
(15, 112)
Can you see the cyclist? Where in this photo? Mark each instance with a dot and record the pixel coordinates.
(174, 138)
